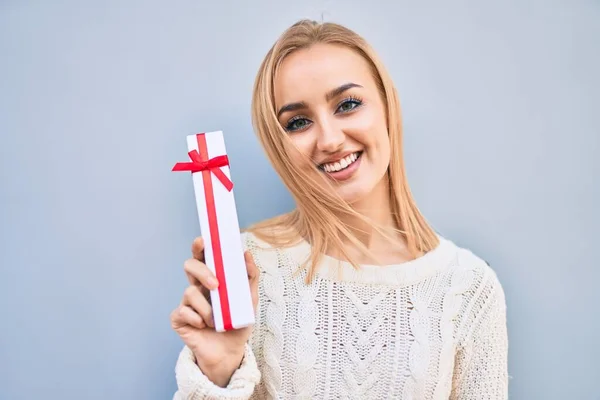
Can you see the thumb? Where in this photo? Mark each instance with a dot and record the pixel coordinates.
(253, 274)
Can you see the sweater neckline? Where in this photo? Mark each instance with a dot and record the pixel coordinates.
(399, 274)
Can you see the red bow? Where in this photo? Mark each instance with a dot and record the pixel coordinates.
(213, 165)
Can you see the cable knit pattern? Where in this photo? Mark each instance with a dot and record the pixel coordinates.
(419, 350)
(460, 281)
(431, 328)
(364, 323)
(272, 285)
(307, 342)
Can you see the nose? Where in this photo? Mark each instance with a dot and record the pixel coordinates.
(330, 138)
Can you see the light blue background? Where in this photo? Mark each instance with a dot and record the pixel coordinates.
(501, 109)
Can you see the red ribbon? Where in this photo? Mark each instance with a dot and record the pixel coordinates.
(213, 165)
(201, 163)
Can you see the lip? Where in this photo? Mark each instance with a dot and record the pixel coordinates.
(338, 157)
(346, 173)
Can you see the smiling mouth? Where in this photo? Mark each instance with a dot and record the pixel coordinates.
(342, 164)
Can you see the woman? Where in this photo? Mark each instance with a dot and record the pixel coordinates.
(355, 295)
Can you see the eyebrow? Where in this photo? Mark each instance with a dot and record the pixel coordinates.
(330, 95)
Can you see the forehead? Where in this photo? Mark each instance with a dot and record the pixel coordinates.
(315, 70)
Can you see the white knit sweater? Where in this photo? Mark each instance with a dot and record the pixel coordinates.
(432, 328)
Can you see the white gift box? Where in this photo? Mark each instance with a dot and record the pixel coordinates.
(219, 226)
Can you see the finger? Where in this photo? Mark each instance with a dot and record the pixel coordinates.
(195, 282)
(251, 267)
(199, 274)
(253, 275)
(198, 248)
(191, 279)
(185, 315)
(205, 292)
(194, 298)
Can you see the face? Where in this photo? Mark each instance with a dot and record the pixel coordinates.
(328, 103)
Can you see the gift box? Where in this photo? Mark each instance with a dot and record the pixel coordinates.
(217, 213)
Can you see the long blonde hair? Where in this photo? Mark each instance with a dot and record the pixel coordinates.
(317, 216)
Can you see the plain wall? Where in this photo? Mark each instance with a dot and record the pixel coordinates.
(500, 103)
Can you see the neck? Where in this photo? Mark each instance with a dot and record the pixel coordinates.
(377, 208)
(389, 246)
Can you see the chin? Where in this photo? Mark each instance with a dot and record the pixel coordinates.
(353, 196)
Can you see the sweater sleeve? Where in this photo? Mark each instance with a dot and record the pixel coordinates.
(192, 384)
(481, 370)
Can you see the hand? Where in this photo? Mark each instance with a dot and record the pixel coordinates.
(218, 354)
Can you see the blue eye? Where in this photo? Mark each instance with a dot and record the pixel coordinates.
(297, 123)
(348, 105)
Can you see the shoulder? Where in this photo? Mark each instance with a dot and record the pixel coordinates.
(251, 241)
(255, 243)
(271, 235)
(267, 252)
(260, 240)
(477, 283)
(474, 268)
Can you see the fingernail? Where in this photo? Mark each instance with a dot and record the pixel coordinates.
(213, 282)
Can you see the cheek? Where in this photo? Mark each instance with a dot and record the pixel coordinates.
(374, 136)
(368, 128)
(383, 149)
(378, 135)
(383, 142)
(299, 150)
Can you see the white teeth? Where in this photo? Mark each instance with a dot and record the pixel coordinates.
(341, 164)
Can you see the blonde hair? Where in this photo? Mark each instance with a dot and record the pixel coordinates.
(317, 216)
